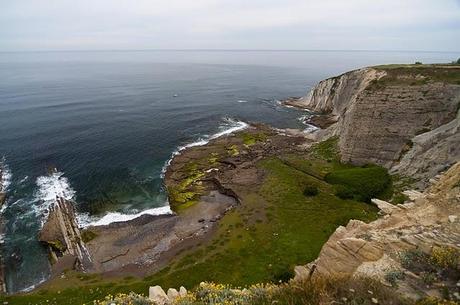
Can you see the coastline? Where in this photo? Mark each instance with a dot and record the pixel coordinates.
(145, 244)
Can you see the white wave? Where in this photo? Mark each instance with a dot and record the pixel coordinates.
(24, 180)
(310, 128)
(229, 126)
(5, 179)
(242, 101)
(42, 279)
(50, 187)
(84, 220)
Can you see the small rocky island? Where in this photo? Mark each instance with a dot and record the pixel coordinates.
(348, 198)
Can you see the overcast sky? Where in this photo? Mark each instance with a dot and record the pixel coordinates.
(230, 24)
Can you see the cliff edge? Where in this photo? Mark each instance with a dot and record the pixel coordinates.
(414, 247)
(403, 117)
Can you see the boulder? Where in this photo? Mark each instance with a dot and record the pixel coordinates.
(158, 295)
(172, 294)
(182, 291)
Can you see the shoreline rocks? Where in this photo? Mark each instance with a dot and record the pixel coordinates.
(62, 236)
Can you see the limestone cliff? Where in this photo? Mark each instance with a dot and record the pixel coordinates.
(403, 117)
(61, 235)
(429, 221)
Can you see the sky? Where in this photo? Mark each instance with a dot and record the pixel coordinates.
(426, 25)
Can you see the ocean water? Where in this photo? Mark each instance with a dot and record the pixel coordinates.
(110, 121)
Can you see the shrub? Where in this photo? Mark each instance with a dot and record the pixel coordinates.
(445, 257)
(393, 276)
(399, 198)
(361, 183)
(124, 299)
(344, 192)
(311, 190)
(418, 63)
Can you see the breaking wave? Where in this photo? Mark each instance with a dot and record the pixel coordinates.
(50, 187)
(84, 220)
(229, 126)
(5, 179)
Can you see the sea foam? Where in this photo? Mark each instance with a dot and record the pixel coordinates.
(84, 220)
(229, 126)
(5, 180)
(48, 188)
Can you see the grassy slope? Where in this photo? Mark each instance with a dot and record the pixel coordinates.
(276, 228)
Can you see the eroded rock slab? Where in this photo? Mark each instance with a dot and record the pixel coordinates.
(61, 234)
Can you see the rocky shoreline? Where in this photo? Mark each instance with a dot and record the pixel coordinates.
(205, 182)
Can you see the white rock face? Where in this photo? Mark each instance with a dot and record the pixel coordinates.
(332, 95)
(172, 294)
(413, 130)
(384, 206)
(182, 291)
(157, 295)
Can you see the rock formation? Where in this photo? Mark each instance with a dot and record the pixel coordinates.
(373, 249)
(61, 235)
(403, 118)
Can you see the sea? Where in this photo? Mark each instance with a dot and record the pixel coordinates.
(99, 127)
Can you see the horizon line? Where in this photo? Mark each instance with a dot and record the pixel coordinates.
(223, 50)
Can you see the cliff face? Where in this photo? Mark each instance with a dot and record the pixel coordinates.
(332, 95)
(427, 223)
(402, 118)
(61, 235)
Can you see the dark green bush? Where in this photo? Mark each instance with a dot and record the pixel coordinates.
(344, 192)
(360, 183)
(311, 190)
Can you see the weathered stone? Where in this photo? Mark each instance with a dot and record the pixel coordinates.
(418, 226)
(384, 206)
(182, 291)
(172, 294)
(61, 235)
(158, 295)
(402, 127)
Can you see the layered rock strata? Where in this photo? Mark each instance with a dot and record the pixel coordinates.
(62, 236)
(373, 249)
(405, 118)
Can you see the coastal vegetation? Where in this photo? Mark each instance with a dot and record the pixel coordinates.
(275, 228)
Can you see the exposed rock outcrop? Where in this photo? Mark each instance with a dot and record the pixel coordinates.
(62, 236)
(403, 118)
(373, 249)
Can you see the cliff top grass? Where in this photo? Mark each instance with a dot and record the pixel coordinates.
(275, 228)
(418, 74)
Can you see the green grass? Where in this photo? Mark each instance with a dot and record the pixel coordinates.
(252, 138)
(276, 228)
(416, 75)
(360, 183)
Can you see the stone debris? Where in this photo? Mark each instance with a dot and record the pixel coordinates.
(158, 295)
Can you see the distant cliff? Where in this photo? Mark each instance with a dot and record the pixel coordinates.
(405, 118)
